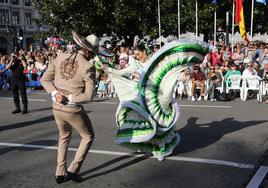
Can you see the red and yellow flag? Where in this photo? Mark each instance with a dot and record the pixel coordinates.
(239, 18)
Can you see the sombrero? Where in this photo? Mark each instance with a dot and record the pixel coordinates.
(91, 43)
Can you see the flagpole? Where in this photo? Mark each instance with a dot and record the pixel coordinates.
(233, 16)
(159, 22)
(179, 21)
(251, 23)
(196, 19)
(215, 25)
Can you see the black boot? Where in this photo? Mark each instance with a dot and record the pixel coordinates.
(25, 110)
(60, 179)
(16, 111)
(74, 177)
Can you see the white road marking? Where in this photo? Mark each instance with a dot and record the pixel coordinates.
(258, 177)
(174, 158)
(109, 102)
(205, 106)
(39, 100)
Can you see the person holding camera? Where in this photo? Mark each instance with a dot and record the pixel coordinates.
(18, 79)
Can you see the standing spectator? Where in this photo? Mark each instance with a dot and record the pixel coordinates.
(17, 66)
(198, 80)
(103, 88)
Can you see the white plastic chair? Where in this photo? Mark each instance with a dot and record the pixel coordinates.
(234, 82)
(251, 83)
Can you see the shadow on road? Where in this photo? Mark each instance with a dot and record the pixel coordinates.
(39, 142)
(41, 109)
(26, 123)
(112, 162)
(195, 136)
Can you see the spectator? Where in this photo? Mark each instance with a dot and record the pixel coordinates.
(263, 73)
(264, 57)
(102, 88)
(184, 84)
(249, 71)
(198, 80)
(215, 80)
(238, 56)
(232, 71)
(16, 65)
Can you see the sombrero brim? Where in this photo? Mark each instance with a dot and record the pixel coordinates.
(82, 42)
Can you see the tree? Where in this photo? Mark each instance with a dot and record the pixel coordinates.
(127, 18)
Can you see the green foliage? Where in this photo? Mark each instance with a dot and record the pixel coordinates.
(127, 18)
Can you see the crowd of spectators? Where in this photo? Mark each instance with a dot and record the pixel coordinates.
(198, 82)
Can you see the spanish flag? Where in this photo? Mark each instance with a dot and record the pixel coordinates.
(239, 18)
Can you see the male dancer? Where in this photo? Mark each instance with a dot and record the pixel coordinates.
(69, 79)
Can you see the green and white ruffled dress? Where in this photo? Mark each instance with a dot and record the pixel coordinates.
(147, 113)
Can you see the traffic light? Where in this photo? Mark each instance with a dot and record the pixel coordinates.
(20, 35)
(20, 38)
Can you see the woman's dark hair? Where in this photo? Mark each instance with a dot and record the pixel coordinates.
(140, 47)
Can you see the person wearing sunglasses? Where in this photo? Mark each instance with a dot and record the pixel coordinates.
(215, 80)
(249, 71)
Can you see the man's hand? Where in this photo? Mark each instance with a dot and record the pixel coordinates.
(103, 67)
(61, 98)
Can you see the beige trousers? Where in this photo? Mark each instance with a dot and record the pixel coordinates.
(81, 123)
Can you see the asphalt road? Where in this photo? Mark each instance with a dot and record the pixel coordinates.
(223, 145)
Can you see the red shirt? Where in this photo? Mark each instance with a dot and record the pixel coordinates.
(198, 76)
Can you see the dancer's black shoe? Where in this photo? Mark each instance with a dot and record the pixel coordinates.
(74, 177)
(60, 179)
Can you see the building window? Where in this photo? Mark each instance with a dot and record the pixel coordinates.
(3, 1)
(15, 2)
(28, 19)
(15, 18)
(4, 16)
(27, 2)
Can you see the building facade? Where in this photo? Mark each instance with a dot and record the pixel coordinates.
(17, 27)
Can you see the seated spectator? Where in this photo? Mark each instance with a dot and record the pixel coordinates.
(241, 68)
(238, 56)
(218, 68)
(256, 66)
(263, 73)
(227, 54)
(264, 57)
(215, 80)
(207, 62)
(249, 71)
(232, 71)
(225, 67)
(184, 84)
(198, 80)
(217, 57)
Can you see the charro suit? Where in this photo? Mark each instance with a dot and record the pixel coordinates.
(74, 76)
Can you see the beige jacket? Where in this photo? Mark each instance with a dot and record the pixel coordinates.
(72, 75)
